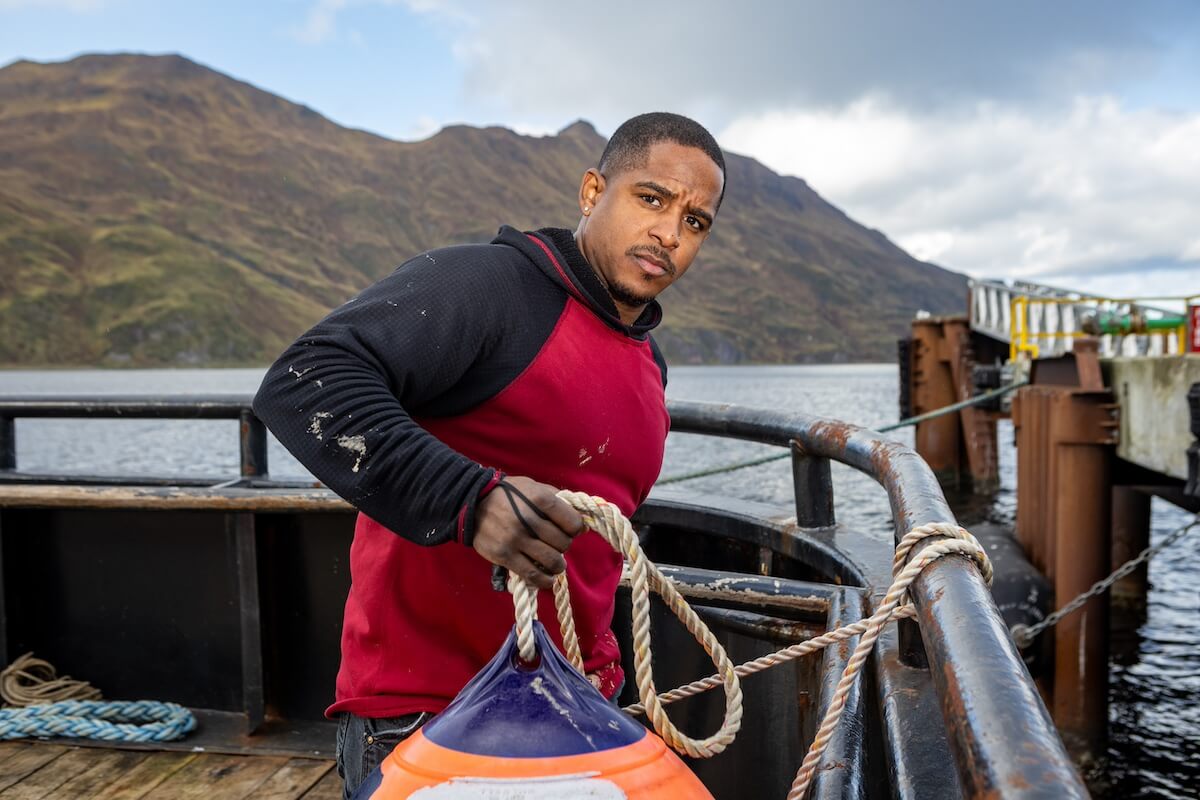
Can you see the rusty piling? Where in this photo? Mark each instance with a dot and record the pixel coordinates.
(1066, 429)
(938, 440)
(960, 447)
(1130, 535)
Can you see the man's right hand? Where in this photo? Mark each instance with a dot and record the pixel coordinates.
(534, 553)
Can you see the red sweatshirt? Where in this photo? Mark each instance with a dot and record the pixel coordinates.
(466, 362)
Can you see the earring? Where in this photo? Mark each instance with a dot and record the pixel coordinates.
(586, 209)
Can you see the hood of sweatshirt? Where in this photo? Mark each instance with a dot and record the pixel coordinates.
(556, 254)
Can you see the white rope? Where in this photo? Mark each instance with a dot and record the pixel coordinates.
(525, 602)
(604, 518)
(961, 543)
(607, 521)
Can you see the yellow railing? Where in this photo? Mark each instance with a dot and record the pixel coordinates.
(1020, 335)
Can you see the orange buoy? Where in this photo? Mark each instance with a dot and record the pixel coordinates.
(533, 732)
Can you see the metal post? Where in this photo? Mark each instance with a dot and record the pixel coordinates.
(244, 549)
(253, 445)
(938, 440)
(3, 603)
(8, 443)
(960, 447)
(904, 357)
(1081, 429)
(978, 426)
(1130, 535)
(1192, 488)
(813, 490)
(1035, 497)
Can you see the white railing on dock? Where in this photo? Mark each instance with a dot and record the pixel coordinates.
(1041, 321)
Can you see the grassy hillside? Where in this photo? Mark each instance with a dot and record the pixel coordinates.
(155, 212)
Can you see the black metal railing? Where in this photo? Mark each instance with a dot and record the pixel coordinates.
(252, 434)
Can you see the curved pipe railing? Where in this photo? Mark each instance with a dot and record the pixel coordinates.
(1003, 740)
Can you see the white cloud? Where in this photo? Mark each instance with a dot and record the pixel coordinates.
(320, 22)
(1093, 189)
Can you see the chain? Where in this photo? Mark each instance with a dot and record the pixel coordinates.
(1024, 635)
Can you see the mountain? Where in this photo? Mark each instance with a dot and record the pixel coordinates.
(156, 212)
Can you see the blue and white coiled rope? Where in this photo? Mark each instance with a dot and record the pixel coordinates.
(110, 721)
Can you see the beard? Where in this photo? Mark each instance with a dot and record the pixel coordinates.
(628, 296)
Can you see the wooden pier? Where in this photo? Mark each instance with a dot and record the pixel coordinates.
(36, 770)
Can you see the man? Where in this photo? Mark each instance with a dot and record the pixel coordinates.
(451, 400)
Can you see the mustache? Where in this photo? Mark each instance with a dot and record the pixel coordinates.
(660, 255)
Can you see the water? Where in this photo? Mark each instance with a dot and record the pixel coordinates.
(1154, 712)
(1155, 692)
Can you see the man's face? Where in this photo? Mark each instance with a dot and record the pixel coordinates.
(643, 225)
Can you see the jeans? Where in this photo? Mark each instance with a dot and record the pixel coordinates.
(363, 743)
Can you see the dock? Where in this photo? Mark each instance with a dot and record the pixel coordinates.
(30, 770)
(1105, 412)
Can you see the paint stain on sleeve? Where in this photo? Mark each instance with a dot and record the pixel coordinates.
(356, 445)
(316, 421)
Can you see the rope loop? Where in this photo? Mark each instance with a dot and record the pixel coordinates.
(31, 681)
(607, 520)
(975, 552)
(525, 600)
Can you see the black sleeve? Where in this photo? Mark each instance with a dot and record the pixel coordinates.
(339, 398)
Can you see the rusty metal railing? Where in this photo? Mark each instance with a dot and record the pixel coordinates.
(1002, 738)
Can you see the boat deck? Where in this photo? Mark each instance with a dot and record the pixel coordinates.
(34, 770)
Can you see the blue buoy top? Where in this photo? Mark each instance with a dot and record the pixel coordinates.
(516, 711)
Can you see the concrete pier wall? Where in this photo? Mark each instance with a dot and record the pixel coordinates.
(1155, 421)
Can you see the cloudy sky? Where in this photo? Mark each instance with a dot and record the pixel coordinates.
(1053, 141)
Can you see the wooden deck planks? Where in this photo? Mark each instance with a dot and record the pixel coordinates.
(294, 779)
(48, 779)
(32, 771)
(10, 749)
(328, 788)
(25, 760)
(211, 775)
(144, 777)
(94, 771)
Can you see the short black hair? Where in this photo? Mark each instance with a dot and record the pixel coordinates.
(632, 141)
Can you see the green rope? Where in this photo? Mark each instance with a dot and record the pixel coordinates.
(959, 406)
(718, 470)
(950, 409)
